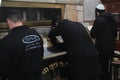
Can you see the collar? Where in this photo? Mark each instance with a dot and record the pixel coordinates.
(19, 28)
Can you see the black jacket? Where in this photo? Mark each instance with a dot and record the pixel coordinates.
(54, 41)
(21, 54)
(82, 55)
(104, 31)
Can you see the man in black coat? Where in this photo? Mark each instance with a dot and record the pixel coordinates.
(82, 55)
(57, 45)
(104, 31)
(21, 51)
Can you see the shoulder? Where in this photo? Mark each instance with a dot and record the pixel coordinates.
(6, 42)
(99, 20)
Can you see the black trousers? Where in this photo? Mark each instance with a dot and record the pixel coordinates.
(85, 78)
(105, 58)
(90, 78)
(38, 78)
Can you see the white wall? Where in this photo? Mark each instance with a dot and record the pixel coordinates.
(89, 9)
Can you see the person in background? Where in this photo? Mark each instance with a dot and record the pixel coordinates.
(82, 54)
(21, 51)
(56, 44)
(104, 32)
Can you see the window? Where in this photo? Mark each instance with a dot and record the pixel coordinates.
(34, 14)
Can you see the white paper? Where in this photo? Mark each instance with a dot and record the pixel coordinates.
(59, 39)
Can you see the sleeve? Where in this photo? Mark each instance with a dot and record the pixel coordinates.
(4, 58)
(114, 28)
(93, 30)
(56, 39)
(52, 36)
(97, 26)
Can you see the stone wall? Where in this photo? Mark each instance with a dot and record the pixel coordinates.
(74, 12)
(53, 1)
(80, 2)
(74, 9)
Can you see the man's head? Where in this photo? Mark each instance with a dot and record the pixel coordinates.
(14, 18)
(100, 8)
(55, 22)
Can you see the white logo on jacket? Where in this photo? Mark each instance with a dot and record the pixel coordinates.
(31, 42)
(30, 39)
